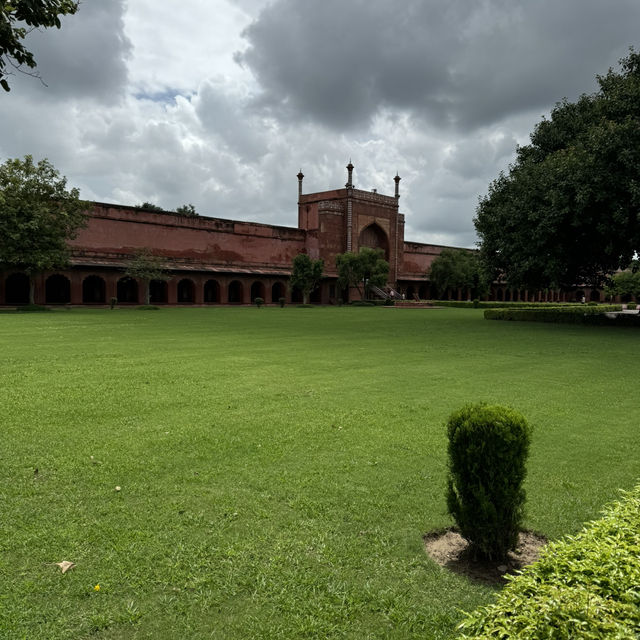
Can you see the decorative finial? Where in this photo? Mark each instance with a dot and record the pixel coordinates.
(397, 181)
(300, 176)
(349, 184)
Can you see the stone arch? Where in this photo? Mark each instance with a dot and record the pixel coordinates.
(277, 291)
(423, 292)
(186, 291)
(594, 295)
(499, 294)
(94, 290)
(16, 288)
(236, 292)
(158, 292)
(373, 236)
(57, 289)
(410, 292)
(127, 290)
(211, 291)
(257, 290)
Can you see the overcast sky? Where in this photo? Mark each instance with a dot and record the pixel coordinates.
(220, 103)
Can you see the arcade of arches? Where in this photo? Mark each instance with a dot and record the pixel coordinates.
(80, 288)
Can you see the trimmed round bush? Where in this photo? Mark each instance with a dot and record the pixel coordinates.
(631, 306)
(258, 302)
(488, 448)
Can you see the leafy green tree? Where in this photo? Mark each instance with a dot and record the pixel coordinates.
(306, 274)
(457, 269)
(567, 211)
(149, 206)
(625, 283)
(146, 267)
(38, 215)
(187, 210)
(17, 19)
(362, 270)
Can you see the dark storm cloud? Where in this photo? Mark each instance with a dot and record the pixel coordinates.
(86, 58)
(456, 63)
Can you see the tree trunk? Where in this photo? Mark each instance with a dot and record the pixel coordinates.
(147, 291)
(32, 289)
(305, 297)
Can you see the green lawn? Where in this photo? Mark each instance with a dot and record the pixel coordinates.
(278, 467)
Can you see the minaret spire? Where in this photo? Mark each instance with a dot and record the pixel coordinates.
(349, 184)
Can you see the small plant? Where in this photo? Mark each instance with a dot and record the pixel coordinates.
(147, 307)
(113, 302)
(258, 302)
(476, 303)
(488, 447)
(282, 302)
(631, 306)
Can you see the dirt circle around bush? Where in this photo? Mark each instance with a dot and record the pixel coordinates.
(451, 551)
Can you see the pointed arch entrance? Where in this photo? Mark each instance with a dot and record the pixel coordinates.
(374, 237)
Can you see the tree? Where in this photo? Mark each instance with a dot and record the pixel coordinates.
(625, 283)
(146, 267)
(567, 211)
(149, 206)
(362, 270)
(37, 217)
(32, 13)
(457, 269)
(306, 274)
(187, 210)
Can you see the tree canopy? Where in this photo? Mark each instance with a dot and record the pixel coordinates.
(567, 212)
(362, 270)
(626, 283)
(149, 206)
(17, 19)
(187, 210)
(306, 274)
(38, 215)
(457, 269)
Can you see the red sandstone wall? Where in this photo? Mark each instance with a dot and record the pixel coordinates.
(418, 258)
(123, 230)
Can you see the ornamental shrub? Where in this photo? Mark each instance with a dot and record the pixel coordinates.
(488, 447)
(282, 302)
(258, 302)
(631, 306)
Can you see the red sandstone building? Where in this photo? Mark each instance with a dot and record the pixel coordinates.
(218, 261)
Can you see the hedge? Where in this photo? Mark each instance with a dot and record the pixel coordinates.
(573, 315)
(492, 304)
(587, 586)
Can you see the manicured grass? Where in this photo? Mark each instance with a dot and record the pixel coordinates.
(278, 467)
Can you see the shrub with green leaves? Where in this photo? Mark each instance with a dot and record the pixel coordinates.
(258, 302)
(582, 587)
(488, 448)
